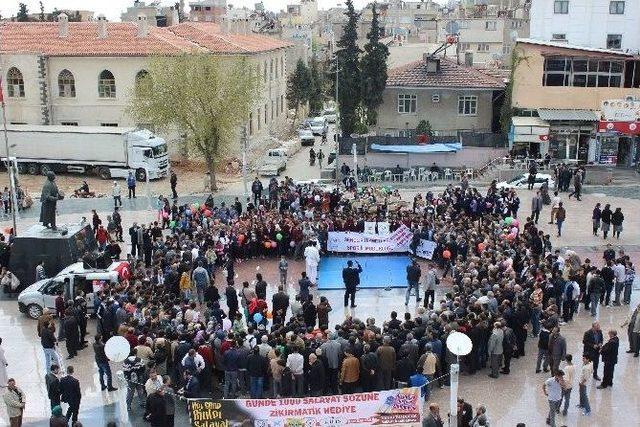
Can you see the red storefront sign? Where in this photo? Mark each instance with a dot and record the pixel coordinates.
(626, 128)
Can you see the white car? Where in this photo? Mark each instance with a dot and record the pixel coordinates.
(522, 181)
(274, 162)
(330, 115)
(306, 137)
(319, 125)
(322, 183)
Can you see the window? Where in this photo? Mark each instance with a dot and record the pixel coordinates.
(266, 115)
(250, 123)
(463, 24)
(68, 123)
(15, 83)
(281, 103)
(490, 25)
(435, 98)
(465, 46)
(407, 103)
(483, 47)
(265, 71)
(277, 107)
(559, 37)
(109, 125)
(561, 7)
(506, 49)
(259, 121)
(616, 8)
(582, 72)
(467, 105)
(282, 66)
(66, 84)
(614, 41)
(276, 68)
(106, 85)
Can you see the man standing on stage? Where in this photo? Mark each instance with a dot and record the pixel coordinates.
(312, 259)
(351, 278)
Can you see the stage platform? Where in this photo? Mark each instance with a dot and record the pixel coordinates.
(378, 271)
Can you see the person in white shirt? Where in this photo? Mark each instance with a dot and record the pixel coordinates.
(586, 372)
(116, 192)
(312, 259)
(552, 388)
(295, 362)
(193, 360)
(555, 204)
(569, 373)
(619, 272)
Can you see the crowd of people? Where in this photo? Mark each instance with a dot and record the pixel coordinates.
(499, 280)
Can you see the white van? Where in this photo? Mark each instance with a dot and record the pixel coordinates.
(42, 294)
(273, 162)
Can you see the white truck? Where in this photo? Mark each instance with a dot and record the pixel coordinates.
(109, 152)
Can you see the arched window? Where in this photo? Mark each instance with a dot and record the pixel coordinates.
(106, 85)
(66, 84)
(15, 83)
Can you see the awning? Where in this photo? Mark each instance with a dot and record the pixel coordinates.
(418, 149)
(568, 115)
(529, 121)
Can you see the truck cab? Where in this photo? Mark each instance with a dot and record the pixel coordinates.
(70, 281)
(147, 152)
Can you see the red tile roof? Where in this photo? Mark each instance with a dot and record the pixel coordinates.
(82, 40)
(122, 39)
(209, 36)
(451, 75)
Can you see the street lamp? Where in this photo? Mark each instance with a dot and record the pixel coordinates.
(460, 345)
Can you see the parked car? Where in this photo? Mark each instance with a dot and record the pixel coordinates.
(43, 293)
(330, 115)
(306, 137)
(273, 162)
(521, 181)
(319, 125)
(324, 184)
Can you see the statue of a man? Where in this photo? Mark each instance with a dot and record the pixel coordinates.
(49, 199)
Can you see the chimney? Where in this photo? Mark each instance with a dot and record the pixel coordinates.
(63, 25)
(468, 59)
(143, 26)
(432, 63)
(225, 26)
(175, 16)
(102, 27)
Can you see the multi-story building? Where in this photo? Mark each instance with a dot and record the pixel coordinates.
(558, 92)
(603, 24)
(490, 39)
(303, 13)
(83, 74)
(207, 10)
(160, 16)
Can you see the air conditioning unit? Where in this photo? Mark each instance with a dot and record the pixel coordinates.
(435, 98)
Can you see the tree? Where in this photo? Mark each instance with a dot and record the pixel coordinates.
(349, 90)
(205, 97)
(23, 13)
(298, 88)
(374, 70)
(42, 15)
(424, 128)
(316, 93)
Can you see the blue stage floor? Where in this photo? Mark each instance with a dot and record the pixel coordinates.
(378, 271)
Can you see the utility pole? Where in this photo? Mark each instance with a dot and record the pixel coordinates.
(244, 160)
(9, 163)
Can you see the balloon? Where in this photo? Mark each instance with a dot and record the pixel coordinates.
(257, 317)
(172, 224)
(511, 236)
(481, 246)
(165, 214)
(269, 315)
(279, 236)
(292, 244)
(508, 220)
(188, 212)
(446, 254)
(258, 268)
(117, 348)
(516, 223)
(226, 324)
(197, 205)
(207, 213)
(274, 244)
(267, 245)
(240, 238)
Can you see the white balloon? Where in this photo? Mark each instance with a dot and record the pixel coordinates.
(117, 348)
(226, 324)
(258, 268)
(459, 344)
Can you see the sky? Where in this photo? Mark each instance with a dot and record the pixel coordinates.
(113, 8)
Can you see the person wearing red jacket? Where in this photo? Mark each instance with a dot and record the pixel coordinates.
(102, 236)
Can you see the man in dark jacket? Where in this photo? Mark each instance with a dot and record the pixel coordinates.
(232, 300)
(465, 413)
(257, 370)
(71, 333)
(280, 302)
(351, 279)
(316, 376)
(103, 365)
(413, 278)
(256, 189)
(53, 385)
(592, 341)
(71, 394)
(157, 409)
(609, 354)
(261, 287)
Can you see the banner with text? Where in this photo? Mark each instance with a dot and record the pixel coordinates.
(347, 241)
(425, 249)
(402, 407)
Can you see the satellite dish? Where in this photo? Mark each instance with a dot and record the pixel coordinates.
(459, 344)
(452, 27)
(117, 348)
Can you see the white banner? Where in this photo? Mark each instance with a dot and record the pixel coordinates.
(383, 228)
(369, 227)
(347, 241)
(425, 249)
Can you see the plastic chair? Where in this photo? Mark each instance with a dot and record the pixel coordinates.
(387, 176)
(435, 176)
(422, 174)
(469, 173)
(412, 175)
(406, 175)
(457, 176)
(448, 174)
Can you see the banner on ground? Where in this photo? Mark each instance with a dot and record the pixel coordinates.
(402, 407)
(347, 241)
(425, 249)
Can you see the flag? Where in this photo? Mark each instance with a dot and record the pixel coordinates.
(1, 94)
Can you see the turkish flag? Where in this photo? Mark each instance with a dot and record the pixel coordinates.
(543, 137)
(124, 270)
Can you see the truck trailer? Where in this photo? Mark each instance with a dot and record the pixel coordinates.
(109, 152)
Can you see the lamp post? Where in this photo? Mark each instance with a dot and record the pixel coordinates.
(460, 345)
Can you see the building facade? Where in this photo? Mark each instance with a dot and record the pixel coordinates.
(565, 87)
(452, 98)
(207, 10)
(491, 39)
(603, 24)
(84, 74)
